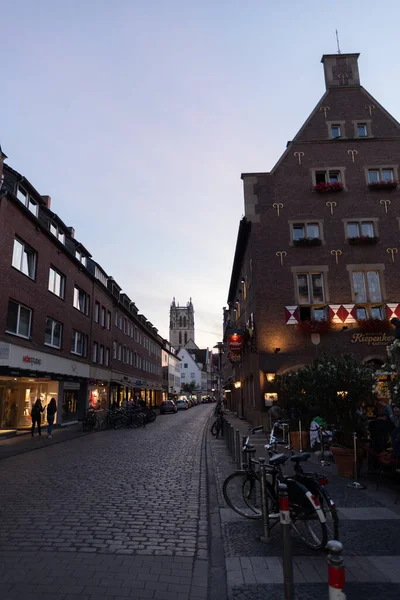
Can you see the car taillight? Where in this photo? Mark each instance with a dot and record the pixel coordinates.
(324, 481)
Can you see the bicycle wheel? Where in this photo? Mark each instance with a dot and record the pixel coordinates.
(214, 428)
(234, 489)
(151, 416)
(96, 424)
(308, 520)
(331, 515)
(252, 495)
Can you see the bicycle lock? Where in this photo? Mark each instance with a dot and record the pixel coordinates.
(287, 542)
(335, 571)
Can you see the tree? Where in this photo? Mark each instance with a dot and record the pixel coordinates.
(189, 387)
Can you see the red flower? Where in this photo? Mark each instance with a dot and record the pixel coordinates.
(324, 187)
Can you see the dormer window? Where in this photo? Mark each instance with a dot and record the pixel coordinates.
(58, 233)
(81, 257)
(27, 200)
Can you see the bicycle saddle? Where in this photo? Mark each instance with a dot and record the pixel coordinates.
(278, 459)
(282, 422)
(301, 457)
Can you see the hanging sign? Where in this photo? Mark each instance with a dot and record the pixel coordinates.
(234, 357)
(235, 341)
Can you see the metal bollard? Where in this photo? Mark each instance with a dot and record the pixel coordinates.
(231, 440)
(238, 451)
(264, 502)
(356, 484)
(300, 437)
(287, 542)
(242, 453)
(335, 571)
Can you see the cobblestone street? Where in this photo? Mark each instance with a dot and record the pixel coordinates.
(116, 514)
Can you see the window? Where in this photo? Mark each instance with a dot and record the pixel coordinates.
(116, 319)
(186, 337)
(53, 333)
(108, 320)
(320, 314)
(185, 365)
(305, 230)
(192, 375)
(380, 175)
(95, 351)
(81, 300)
(79, 343)
(183, 376)
(114, 349)
(180, 338)
(310, 288)
(119, 352)
(367, 286)
(120, 322)
(362, 130)
(27, 200)
(96, 312)
(101, 355)
(125, 356)
(19, 319)
(56, 283)
(376, 312)
(81, 257)
(328, 176)
(103, 316)
(107, 357)
(335, 131)
(357, 229)
(361, 313)
(24, 259)
(58, 233)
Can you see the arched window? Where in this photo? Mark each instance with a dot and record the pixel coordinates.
(185, 337)
(180, 337)
(184, 322)
(180, 321)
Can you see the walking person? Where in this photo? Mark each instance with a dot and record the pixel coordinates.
(51, 413)
(36, 415)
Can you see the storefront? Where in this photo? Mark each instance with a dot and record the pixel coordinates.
(26, 375)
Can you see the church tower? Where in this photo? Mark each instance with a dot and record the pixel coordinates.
(181, 325)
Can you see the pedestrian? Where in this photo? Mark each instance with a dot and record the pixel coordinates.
(36, 415)
(51, 413)
(275, 412)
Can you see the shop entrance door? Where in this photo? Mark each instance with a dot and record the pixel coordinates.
(70, 405)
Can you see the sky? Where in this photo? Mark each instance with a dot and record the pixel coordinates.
(138, 117)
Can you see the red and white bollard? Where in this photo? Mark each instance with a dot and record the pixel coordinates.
(287, 558)
(335, 571)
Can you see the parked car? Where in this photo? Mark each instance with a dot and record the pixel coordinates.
(168, 406)
(182, 404)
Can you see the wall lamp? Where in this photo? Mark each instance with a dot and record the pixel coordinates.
(270, 377)
(238, 384)
(243, 280)
(277, 350)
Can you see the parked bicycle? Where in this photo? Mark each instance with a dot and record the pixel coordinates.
(242, 493)
(90, 421)
(217, 428)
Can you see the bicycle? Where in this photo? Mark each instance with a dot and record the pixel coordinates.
(282, 424)
(90, 422)
(242, 489)
(218, 426)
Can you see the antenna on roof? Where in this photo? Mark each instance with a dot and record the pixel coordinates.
(337, 41)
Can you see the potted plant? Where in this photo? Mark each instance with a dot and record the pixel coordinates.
(373, 325)
(383, 185)
(314, 326)
(363, 240)
(293, 400)
(307, 241)
(325, 187)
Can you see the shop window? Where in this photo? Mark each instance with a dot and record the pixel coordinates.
(96, 312)
(95, 352)
(19, 319)
(79, 343)
(310, 288)
(81, 300)
(56, 283)
(53, 333)
(103, 316)
(24, 259)
(367, 286)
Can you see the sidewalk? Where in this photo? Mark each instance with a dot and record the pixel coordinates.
(369, 525)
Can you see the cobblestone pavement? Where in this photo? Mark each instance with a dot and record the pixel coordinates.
(116, 514)
(369, 525)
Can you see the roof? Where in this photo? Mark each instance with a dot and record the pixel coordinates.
(241, 245)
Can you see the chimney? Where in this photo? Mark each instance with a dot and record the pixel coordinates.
(72, 232)
(47, 201)
(341, 70)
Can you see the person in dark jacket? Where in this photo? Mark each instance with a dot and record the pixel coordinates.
(51, 412)
(36, 414)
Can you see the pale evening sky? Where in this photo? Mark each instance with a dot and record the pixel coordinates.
(138, 117)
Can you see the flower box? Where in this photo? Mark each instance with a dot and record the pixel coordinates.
(314, 326)
(383, 185)
(373, 325)
(363, 240)
(307, 242)
(324, 188)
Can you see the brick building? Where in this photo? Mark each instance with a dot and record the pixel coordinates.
(318, 246)
(66, 329)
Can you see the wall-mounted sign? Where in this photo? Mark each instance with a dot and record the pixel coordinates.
(234, 357)
(372, 339)
(31, 360)
(235, 341)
